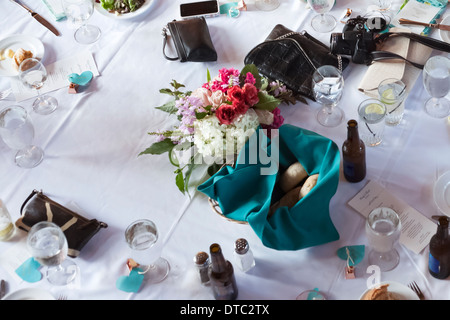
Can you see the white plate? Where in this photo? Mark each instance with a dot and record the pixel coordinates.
(29, 294)
(15, 42)
(402, 291)
(441, 193)
(445, 35)
(143, 9)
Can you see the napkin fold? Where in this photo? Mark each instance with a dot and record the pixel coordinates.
(398, 69)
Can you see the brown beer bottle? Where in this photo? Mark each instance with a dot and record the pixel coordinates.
(221, 275)
(439, 257)
(354, 154)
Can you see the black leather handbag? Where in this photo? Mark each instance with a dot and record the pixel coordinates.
(192, 40)
(292, 57)
(77, 229)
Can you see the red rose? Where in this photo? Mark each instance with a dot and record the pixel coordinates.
(226, 114)
(250, 94)
(240, 106)
(235, 93)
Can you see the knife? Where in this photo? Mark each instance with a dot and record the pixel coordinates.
(431, 25)
(2, 289)
(39, 18)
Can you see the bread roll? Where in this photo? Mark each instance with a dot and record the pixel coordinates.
(309, 184)
(293, 175)
(380, 293)
(288, 200)
(20, 55)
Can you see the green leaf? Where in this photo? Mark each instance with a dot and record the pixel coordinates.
(267, 101)
(179, 180)
(159, 147)
(176, 85)
(168, 107)
(208, 76)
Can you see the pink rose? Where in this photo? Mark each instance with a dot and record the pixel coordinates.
(250, 94)
(226, 114)
(203, 94)
(217, 98)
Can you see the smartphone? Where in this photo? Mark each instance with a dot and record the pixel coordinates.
(201, 8)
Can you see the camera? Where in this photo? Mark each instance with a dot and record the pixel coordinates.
(358, 38)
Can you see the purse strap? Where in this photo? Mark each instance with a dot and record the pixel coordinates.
(164, 34)
(429, 42)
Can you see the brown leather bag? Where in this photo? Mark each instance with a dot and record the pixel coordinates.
(77, 229)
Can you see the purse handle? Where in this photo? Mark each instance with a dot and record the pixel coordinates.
(164, 34)
(429, 42)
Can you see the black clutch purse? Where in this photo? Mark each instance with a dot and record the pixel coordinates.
(292, 57)
(77, 229)
(192, 40)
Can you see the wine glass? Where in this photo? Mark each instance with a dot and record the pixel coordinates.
(328, 84)
(17, 131)
(383, 227)
(141, 236)
(78, 12)
(48, 245)
(33, 74)
(322, 22)
(267, 5)
(436, 79)
(381, 5)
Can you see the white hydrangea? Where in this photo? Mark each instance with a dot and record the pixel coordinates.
(216, 141)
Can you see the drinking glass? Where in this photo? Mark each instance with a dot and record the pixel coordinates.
(322, 22)
(267, 5)
(382, 5)
(17, 131)
(328, 84)
(78, 12)
(383, 227)
(371, 116)
(6, 224)
(436, 79)
(48, 245)
(33, 74)
(141, 236)
(392, 93)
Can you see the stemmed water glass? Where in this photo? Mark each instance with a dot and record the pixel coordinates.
(382, 5)
(48, 245)
(328, 83)
(141, 237)
(78, 12)
(323, 22)
(436, 79)
(33, 74)
(383, 227)
(17, 131)
(267, 5)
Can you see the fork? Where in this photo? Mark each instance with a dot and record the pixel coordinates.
(414, 287)
(4, 94)
(62, 297)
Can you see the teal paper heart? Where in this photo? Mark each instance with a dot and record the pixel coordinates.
(29, 270)
(81, 79)
(132, 282)
(356, 254)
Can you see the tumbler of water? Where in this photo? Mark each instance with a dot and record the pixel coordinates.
(383, 227)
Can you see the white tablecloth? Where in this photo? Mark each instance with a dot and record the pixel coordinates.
(93, 140)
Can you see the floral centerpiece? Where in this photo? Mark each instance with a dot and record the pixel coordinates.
(216, 119)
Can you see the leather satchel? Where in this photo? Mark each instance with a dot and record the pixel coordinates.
(77, 229)
(292, 57)
(192, 40)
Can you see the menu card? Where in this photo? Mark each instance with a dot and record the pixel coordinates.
(417, 230)
(57, 75)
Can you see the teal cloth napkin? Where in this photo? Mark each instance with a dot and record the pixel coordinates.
(244, 194)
